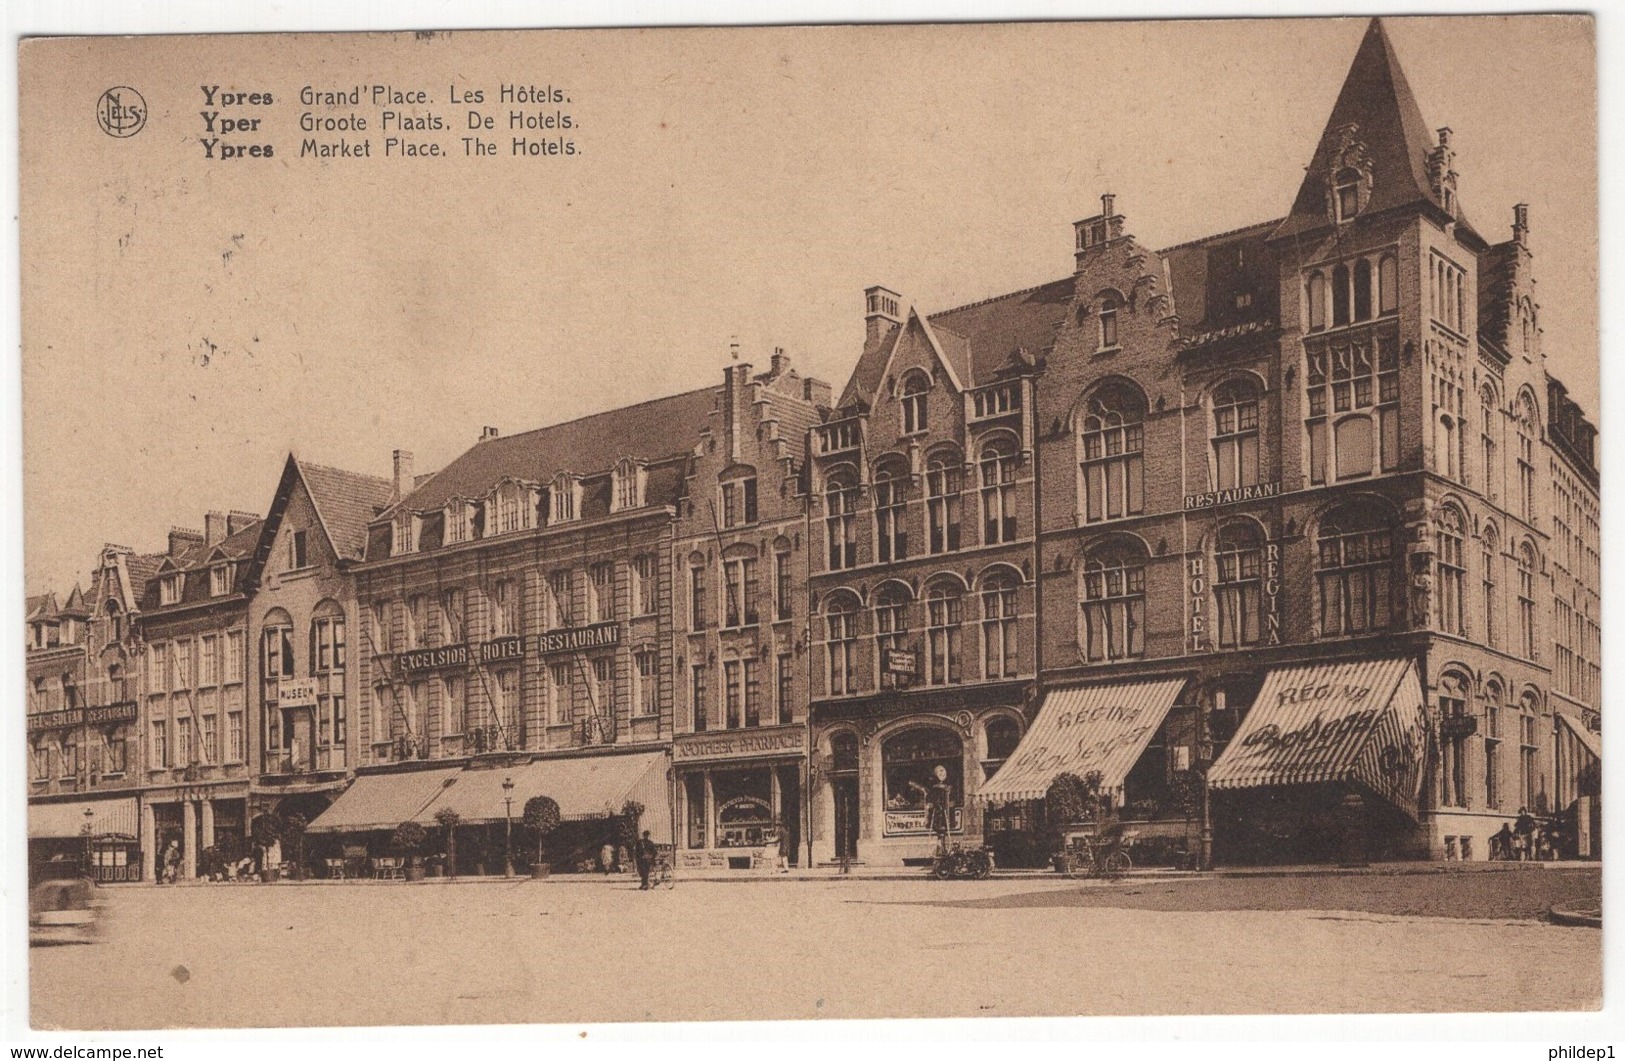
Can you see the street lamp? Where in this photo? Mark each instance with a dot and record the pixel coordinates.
(507, 802)
(90, 871)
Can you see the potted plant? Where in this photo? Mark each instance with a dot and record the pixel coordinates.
(228, 847)
(541, 818)
(448, 820)
(408, 840)
(266, 830)
(293, 836)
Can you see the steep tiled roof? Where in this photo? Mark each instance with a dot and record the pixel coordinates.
(347, 502)
(652, 430)
(141, 570)
(865, 378)
(1377, 100)
(42, 606)
(76, 603)
(1210, 276)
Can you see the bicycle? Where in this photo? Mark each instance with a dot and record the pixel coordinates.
(660, 872)
(1086, 854)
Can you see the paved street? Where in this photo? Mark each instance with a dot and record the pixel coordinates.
(590, 950)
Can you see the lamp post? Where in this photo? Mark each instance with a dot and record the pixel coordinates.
(90, 814)
(507, 802)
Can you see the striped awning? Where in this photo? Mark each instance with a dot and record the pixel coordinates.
(382, 801)
(588, 786)
(1592, 742)
(107, 817)
(1080, 730)
(1339, 722)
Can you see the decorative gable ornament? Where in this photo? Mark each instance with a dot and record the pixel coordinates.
(1349, 168)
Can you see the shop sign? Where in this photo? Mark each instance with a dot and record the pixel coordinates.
(1197, 621)
(742, 745)
(296, 693)
(914, 822)
(433, 658)
(1235, 495)
(575, 639)
(502, 648)
(899, 662)
(1272, 592)
(1455, 727)
(80, 716)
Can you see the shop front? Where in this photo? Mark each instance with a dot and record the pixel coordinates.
(67, 837)
(739, 798)
(192, 821)
(1326, 766)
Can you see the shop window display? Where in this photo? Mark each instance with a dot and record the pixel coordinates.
(909, 760)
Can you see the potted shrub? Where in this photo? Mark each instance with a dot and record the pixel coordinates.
(408, 840)
(228, 849)
(448, 820)
(266, 830)
(541, 818)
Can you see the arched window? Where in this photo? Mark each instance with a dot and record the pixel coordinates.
(1357, 573)
(943, 473)
(115, 620)
(1451, 571)
(1113, 470)
(909, 762)
(998, 471)
(1114, 602)
(841, 643)
(1493, 710)
(1490, 561)
(1453, 693)
(944, 610)
(1238, 554)
(840, 508)
(891, 511)
(916, 387)
(1340, 295)
(276, 664)
(1388, 284)
(1528, 430)
(1362, 289)
(1108, 322)
(1489, 437)
(1526, 601)
(1002, 735)
(1529, 780)
(891, 627)
(1317, 301)
(1235, 434)
(1000, 645)
(843, 750)
(1347, 191)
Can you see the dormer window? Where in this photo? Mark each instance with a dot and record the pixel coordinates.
(459, 521)
(1347, 192)
(564, 498)
(628, 486)
(1108, 322)
(170, 587)
(219, 580)
(405, 538)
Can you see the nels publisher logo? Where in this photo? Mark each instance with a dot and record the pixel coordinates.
(121, 112)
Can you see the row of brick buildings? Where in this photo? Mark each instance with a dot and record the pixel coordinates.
(1291, 513)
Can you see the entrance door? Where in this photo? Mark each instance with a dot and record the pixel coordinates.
(300, 723)
(790, 809)
(845, 790)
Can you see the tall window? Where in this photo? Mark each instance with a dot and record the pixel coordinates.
(891, 626)
(840, 507)
(998, 470)
(739, 502)
(1348, 194)
(782, 590)
(628, 485)
(648, 678)
(696, 593)
(1235, 434)
(507, 688)
(1492, 745)
(1388, 284)
(1452, 749)
(158, 747)
(1526, 601)
(698, 696)
(559, 600)
(298, 553)
(1108, 322)
(234, 736)
(1358, 395)
(1003, 735)
(1528, 753)
(1489, 451)
(785, 685)
(1238, 588)
(942, 485)
(944, 610)
(327, 643)
(739, 607)
(1000, 647)
(183, 666)
(558, 693)
(601, 592)
(382, 635)
(1113, 471)
(415, 621)
(453, 609)
(733, 693)
(841, 643)
(1528, 429)
(1357, 573)
(891, 522)
(219, 580)
(1114, 602)
(753, 692)
(1452, 572)
(234, 656)
(504, 608)
(1490, 563)
(452, 705)
(602, 688)
(457, 522)
(157, 666)
(278, 652)
(916, 387)
(1450, 435)
(1317, 301)
(646, 585)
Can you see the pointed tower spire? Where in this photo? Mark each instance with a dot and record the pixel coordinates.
(1375, 153)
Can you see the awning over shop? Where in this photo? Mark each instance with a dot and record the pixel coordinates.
(382, 801)
(1080, 730)
(1340, 722)
(1592, 742)
(584, 787)
(108, 817)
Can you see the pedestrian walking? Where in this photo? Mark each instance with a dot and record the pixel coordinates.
(784, 848)
(172, 862)
(645, 858)
(606, 858)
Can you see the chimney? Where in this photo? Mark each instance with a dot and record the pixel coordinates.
(1520, 225)
(237, 519)
(781, 362)
(486, 434)
(403, 474)
(736, 397)
(816, 391)
(182, 537)
(884, 309)
(214, 528)
(1097, 231)
(1442, 172)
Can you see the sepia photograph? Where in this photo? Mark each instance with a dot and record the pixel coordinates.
(824, 522)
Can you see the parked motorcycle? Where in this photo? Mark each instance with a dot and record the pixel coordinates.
(958, 863)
